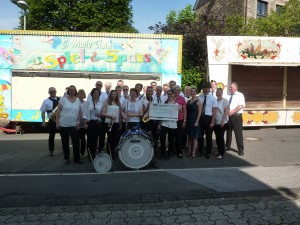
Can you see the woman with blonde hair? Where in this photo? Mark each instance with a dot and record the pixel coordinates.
(111, 111)
(82, 131)
(221, 122)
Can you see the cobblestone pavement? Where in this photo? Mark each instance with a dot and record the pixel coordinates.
(246, 210)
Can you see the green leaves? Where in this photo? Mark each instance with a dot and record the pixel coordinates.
(80, 15)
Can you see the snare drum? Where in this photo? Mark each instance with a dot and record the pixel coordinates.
(135, 149)
(102, 163)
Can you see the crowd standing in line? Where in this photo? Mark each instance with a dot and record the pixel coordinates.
(114, 111)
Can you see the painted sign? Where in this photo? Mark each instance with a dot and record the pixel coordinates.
(85, 52)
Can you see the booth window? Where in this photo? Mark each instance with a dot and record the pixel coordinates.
(262, 9)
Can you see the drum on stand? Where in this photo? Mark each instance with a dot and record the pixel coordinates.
(135, 149)
(102, 163)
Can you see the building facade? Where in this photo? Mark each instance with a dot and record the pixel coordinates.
(248, 8)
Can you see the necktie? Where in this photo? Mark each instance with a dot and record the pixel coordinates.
(203, 106)
(230, 99)
(55, 103)
(158, 99)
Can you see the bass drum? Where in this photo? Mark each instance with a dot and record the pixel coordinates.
(135, 149)
(102, 163)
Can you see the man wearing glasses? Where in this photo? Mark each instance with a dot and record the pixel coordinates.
(99, 86)
(49, 104)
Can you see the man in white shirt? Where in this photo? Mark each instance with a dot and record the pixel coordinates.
(187, 93)
(172, 84)
(139, 87)
(236, 103)
(107, 87)
(49, 104)
(158, 97)
(102, 97)
(207, 119)
(213, 89)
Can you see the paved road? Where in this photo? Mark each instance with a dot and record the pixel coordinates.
(260, 188)
(236, 211)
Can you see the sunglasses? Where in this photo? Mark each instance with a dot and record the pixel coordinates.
(52, 91)
(125, 89)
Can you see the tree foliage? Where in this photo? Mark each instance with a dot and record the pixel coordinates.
(79, 15)
(225, 19)
(286, 22)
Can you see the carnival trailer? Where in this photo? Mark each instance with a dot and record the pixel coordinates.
(33, 61)
(267, 70)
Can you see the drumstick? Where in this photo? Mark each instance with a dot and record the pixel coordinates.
(90, 155)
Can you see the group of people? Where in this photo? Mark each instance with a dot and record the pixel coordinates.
(105, 115)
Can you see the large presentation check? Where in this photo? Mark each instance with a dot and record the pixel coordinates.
(162, 111)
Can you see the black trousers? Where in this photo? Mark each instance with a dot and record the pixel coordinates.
(171, 135)
(179, 132)
(101, 136)
(65, 133)
(82, 140)
(52, 130)
(235, 123)
(113, 139)
(219, 132)
(92, 136)
(205, 129)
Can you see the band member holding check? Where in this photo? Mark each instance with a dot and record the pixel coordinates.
(111, 112)
(92, 120)
(132, 110)
(168, 127)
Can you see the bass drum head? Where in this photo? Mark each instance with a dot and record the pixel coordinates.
(102, 163)
(136, 151)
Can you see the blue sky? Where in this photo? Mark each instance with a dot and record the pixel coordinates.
(145, 12)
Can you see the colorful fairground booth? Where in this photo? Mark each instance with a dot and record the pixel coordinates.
(33, 61)
(267, 70)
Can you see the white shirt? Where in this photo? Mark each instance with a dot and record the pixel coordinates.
(81, 109)
(159, 99)
(237, 99)
(102, 97)
(46, 106)
(221, 110)
(69, 113)
(89, 110)
(122, 99)
(113, 110)
(132, 107)
(211, 102)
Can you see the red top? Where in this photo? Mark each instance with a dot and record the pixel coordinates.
(181, 102)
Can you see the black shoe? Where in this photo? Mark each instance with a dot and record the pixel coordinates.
(179, 155)
(241, 153)
(227, 148)
(79, 162)
(67, 161)
(51, 153)
(207, 156)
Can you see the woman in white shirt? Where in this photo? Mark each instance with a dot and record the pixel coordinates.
(92, 120)
(221, 122)
(168, 127)
(112, 114)
(67, 121)
(132, 110)
(82, 132)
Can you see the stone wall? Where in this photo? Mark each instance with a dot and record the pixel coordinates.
(228, 7)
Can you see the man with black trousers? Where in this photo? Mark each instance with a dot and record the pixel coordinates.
(236, 103)
(207, 119)
(49, 104)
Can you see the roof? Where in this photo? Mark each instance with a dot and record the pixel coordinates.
(199, 4)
